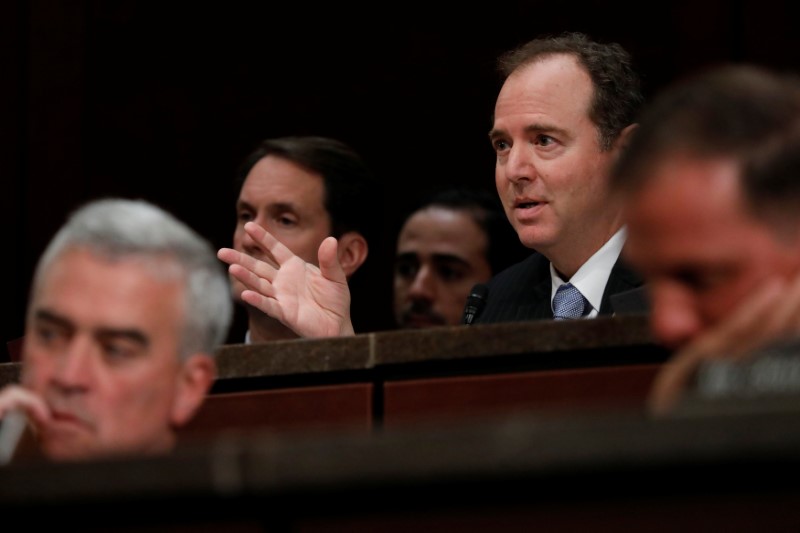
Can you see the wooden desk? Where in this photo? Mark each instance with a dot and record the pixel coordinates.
(380, 379)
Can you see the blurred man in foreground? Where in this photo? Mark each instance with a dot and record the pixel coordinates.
(711, 181)
(126, 310)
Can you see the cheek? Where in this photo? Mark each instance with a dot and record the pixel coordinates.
(36, 369)
(237, 237)
(143, 404)
(31, 377)
(456, 294)
(500, 181)
(307, 252)
(400, 291)
(731, 294)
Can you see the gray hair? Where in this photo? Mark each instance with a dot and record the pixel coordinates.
(121, 229)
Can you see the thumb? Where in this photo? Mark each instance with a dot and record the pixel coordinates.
(328, 257)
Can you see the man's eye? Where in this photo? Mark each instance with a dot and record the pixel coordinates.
(286, 221)
(500, 145)
(47, 334)
(702, 281)
(245, 216)
(451, 274)
(406, 269)
(116, 352)
(120, 350)
(544, 140)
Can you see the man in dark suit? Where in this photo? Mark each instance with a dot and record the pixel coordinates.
(564, 112)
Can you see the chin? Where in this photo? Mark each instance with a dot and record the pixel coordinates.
(535, 240)
(68, 451)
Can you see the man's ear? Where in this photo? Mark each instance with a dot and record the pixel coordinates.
(194, 381)
(625, 137)
(352, 251)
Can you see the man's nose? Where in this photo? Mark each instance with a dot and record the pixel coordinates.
(674, 318)
(423, 284)
(520, 163)
(250, 245)
(74, 366)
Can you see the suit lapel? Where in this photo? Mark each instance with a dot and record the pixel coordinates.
(621, 279)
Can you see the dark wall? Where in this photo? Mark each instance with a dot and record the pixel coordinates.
(162, 100)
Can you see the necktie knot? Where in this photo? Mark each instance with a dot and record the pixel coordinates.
(568, 302)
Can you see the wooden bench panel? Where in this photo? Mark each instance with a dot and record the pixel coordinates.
(600, 387)
(297, 408)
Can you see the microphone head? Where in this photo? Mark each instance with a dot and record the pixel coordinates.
(475, 302)
(478, 293)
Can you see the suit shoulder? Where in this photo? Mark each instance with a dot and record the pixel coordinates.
(531, 268)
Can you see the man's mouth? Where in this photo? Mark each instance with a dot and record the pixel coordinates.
(527, 204)
(422, 320)
(64, 416)
(528, 209)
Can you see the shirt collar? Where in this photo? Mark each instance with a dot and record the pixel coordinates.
(592, 277)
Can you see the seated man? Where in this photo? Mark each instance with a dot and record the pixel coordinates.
(303, 189)
(126, 310)
(712, 186)
(563, 114)
(451, 241)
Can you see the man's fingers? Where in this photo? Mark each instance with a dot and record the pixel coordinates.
(272, 245)
(252, 281)
(263, 303)
(328, 257)
(15, 397)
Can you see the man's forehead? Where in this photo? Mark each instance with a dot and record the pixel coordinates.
(442, 228)
(110, 281)
(547, 93)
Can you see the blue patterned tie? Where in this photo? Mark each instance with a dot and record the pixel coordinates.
(568, 302)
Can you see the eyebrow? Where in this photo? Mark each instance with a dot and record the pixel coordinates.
(276, 207)
(279, 207)
(494, 133)
(449, 258)
(437, 258)
(243, 204)
(131, 334)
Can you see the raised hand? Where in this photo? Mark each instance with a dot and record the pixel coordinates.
(312, 301)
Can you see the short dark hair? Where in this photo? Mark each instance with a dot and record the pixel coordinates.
(741, 112)
(617, 86)
(503, 245)
(353, 195)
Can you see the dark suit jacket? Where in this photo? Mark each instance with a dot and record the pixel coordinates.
(522, 292)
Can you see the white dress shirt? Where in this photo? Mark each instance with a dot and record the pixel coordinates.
(592, 277)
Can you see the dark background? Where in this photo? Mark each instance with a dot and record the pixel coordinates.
(162, 100)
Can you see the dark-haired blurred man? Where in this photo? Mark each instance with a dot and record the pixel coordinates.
(711, 180)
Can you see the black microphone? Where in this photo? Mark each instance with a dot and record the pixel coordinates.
(475, 302)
